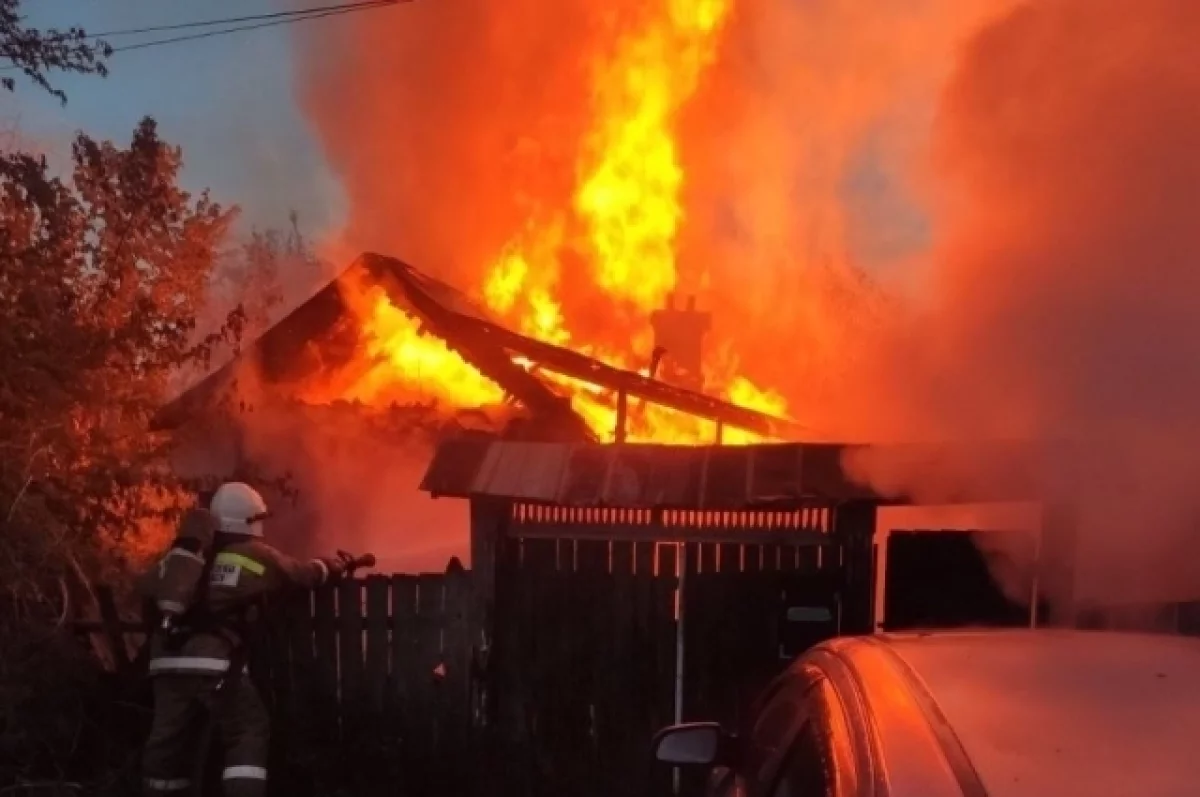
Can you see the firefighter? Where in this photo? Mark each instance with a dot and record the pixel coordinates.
(198, 668)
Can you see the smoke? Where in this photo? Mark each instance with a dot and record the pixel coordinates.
(802, 175)
(448, 123)
(1060, 300)
(335, 476)
(1017, 180)
(354, 476)
(456, 127)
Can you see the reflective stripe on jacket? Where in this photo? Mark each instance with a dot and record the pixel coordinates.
(245, 572)
(193, 665)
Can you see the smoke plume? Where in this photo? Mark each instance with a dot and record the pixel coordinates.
(1061, 300)
(446, 122)
(1017, 179)
(801, 172)
(354, 479)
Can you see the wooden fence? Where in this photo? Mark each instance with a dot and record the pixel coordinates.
(369, 683)
(584, 665)
(590, 659)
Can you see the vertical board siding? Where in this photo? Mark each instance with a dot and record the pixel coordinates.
(369, 685)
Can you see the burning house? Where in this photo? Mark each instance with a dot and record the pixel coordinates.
(390, 356)
(315, 354)
(679, 574)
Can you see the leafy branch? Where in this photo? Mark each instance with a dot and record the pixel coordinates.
(37, 53)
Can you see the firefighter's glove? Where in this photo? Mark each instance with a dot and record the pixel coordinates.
(336, 566)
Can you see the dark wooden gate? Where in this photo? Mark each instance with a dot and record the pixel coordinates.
(747, 611)
(585, 651)
(610, 624)
(633, 585)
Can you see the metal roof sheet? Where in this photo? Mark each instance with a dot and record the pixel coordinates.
(642, 475)
(733, 477)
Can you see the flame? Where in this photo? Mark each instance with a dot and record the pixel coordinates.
(504, 282)
(399, 360)
(399, 346)
(630, 198)
(743, 392)
(621, 226)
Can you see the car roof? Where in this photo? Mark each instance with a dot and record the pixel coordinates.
(1048, 712)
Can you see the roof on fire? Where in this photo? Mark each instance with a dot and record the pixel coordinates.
(288, 352)
(319, 334)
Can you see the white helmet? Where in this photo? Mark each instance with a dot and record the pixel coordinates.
(239, 509)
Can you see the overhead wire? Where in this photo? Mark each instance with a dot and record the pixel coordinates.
(266, 20)
(239, 28)
(360, 5)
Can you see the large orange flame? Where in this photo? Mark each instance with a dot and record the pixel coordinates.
(622, 223)
(629, 198)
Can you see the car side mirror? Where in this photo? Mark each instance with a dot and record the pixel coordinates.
(692, 744)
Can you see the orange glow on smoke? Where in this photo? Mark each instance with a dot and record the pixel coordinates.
(619, 226)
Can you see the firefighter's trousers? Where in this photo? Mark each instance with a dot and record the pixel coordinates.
(182, 705)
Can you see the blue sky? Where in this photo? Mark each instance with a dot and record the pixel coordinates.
(228, 101)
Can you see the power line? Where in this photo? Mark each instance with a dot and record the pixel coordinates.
(268, 24)
(299, 12)
(271, 20)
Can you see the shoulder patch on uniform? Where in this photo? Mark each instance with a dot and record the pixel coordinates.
(225, 574)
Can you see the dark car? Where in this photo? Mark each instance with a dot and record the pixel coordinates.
(1041, 713)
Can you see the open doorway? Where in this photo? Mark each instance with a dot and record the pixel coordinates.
(956, 567)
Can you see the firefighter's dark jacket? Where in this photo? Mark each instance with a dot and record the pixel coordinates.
(246, 572)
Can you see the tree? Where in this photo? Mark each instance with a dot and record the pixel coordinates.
(101, 278)
(102, 275)
(37, 52)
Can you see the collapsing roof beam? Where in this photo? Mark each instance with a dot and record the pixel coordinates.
(578, 366)
(476, 337)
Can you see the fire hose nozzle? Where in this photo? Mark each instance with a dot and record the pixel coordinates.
(355, 562)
